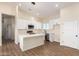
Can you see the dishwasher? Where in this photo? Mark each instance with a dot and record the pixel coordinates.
(49, 37)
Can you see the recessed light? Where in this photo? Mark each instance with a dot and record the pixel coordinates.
(19, 4)
(56, 5)
(32, 18)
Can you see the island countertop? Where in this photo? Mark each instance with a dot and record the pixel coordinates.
(30, 35)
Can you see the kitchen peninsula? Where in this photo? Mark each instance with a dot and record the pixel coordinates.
(29, 41)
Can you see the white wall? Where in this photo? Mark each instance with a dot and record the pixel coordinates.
(68, 14)
(7, 9)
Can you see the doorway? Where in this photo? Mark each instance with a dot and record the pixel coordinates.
(8, 28)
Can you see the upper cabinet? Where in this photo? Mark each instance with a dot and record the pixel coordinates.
(23, 24)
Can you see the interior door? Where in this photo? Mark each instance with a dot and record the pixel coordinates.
(8, 27)
(77, 42)
(69, 34)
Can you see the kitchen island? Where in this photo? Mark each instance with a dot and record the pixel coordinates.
(30, 41)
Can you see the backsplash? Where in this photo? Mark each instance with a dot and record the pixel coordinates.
(24, 31)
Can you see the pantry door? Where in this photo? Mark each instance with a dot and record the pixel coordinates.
(77, 42)
(70, 34)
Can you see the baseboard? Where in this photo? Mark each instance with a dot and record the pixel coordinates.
(57, 41)
(69, 46)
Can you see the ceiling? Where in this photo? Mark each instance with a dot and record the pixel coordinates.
(43, 10)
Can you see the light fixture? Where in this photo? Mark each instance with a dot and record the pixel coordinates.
(56, 5)
(32, 18)
(33, 3)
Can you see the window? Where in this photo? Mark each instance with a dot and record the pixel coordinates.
(45, 26)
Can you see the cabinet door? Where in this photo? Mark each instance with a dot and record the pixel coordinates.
(69, 34)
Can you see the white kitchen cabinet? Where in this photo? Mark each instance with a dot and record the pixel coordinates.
(23, 24)
(51, 37)
(70, 34)
(31, 41)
